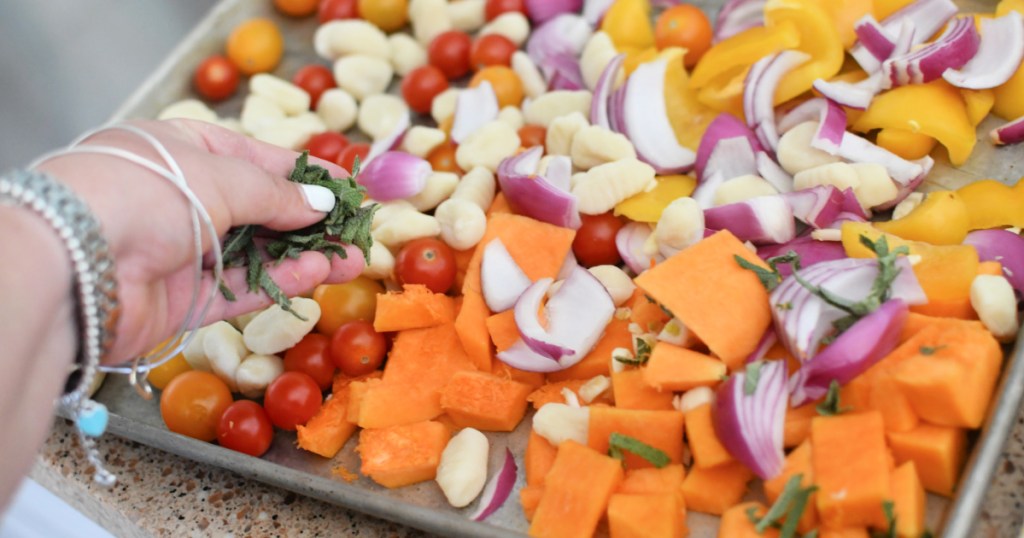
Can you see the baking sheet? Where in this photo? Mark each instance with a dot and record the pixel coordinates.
(422, 505)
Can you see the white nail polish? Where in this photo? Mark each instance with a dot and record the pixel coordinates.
(319, 198)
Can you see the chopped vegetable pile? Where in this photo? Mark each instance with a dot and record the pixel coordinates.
(703, 254)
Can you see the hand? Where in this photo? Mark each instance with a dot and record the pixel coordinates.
(147, 222)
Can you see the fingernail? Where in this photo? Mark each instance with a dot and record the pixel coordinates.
(319, 198)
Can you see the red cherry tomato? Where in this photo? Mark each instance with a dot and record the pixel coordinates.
(315, 79)
(327, 145)
(312, 356)
(493, 8)
(532, 135)
(492, 49)
(348, 155)
(292, 399)
(330, 10)
(449, 52)
(245, 427)
(421, 86)
(426, 261)
(595, 240)
(357, 349)
(192, 404)
(216, 78)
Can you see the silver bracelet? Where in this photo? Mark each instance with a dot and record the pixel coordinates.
(95, 291)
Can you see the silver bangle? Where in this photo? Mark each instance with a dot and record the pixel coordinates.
(95, 291)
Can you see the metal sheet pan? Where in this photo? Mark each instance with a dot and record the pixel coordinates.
(423, 506)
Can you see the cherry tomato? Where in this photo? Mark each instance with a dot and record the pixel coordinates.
(245, 427)
(330, 10)
(216, 78)
(493, 8)
(192, 404)
(426, 261)
(327, 145)
(342, 303)
(684, 26)
(292, 399)
(312, 356)
(421, 86)
(347, 158)
(357, 349)
(532, 135)
(505, 82)
(296, 8)
(256, 46)
(595, 240)
(162, 375)
(315, 79)
(388, 15)
(492, 49)
(449, 52)
(442, 159)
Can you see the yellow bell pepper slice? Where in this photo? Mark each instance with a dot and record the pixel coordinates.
(818, 38)
(647, 206)
(628, 23)
(992, 204)
(979, 104)
(727, 97)
(742, 50)
(844, 15)
(884, 8)
(942, 219)
(689, 118)
(1009, 103)
(934, 109)
(636, 57)
(905, 143)
(1007, 6)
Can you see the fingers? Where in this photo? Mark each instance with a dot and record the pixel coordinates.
(344, 270)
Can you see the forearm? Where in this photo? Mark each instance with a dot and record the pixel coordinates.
(37, 336)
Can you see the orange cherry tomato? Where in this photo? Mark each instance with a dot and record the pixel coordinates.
(684, 26)
(532, 135)
(449, 52)
(216, 78)
(193, 403)
(312, 356)
(492, 49)
(388, 15)
(442, 159)
(421, 86)
(427, 261)
(296, 8)
(357, 349)
(330, 10)
(347, 157)
(505, 82)
(342, 303)
(255, 46)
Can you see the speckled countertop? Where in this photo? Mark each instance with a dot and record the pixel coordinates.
(164, 495)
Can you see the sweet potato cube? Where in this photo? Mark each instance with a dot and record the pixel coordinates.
(484, 401)
(847, 453)
(798, 462)
(667, 480)
(707, 450)
(416, 307)
(908, 501)
(329, 429)
(938, 453)
(396, 403)
(715, 489)
(660, 429)
(402, 455)
(540, 456)
(632, 392)
(644, 515)
(576, 493)
(529, 498)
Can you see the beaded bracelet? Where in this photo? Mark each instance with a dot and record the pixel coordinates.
(89, 416)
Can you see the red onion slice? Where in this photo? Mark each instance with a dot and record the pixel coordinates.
(533, 195)
(856, 95)
(1011, 133)
(541, 11)
(831, 123)
(957, 45)
(759, 93)
(497, 489)
(999, 55)
(603, 91)
(577, 315)
(704, 194)
(724, 126)
(1002, 246)
(763, 345)
(565, 72)
(925, 16)
(646, 120)
(817, 206)
(594, 10)
(851, 354)
(732, 157)
(737, 16)
(802, 319)
(760, 220)
(389, 142)
(770, 171)
(617, 110)
(474, 108)
(630, 241)
(859, 150)
(874, 38)
(751, 426)
(501, 279)
(530, 329)
(810, 250)
(565, 34)
(394, 175)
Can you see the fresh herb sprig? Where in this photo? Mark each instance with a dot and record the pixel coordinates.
(770, 278)
(829, 407)
(618, 444)
(787, 510)
(751, 377)
(349, 222)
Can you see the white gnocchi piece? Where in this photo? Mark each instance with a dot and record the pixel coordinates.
(420, 140)
(993, 299)
(338, 38)
(487, 146)
(387, 210)
(563, 129)
(597, 53)
(467, 15)
(256, 373)
(533, 81)
(406, 53)
(462, 471)
(224, 348)
(382, 263)
(380, 114)
(442, 108)
(840, 175)
(513, 25)
(544, 109)
(619, 285)
(606, 185)
(463, 223)
(405, 226)
(363, 75)
(513, 116)
(194, 354)
(681, 225)
(478, 186)
(429, 18)
(188, 109)
(292, 99)
(795, 153)
(259, 112)
(594, 145)
(875, 187)
(742, 188)
(439, 186)
(276, 330)
(908, 204)
(292, 132)
(338, 109)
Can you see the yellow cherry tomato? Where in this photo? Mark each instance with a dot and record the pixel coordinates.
(388, 15)
(162, 375)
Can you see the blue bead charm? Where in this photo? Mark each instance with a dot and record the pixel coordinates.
(92, 419)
